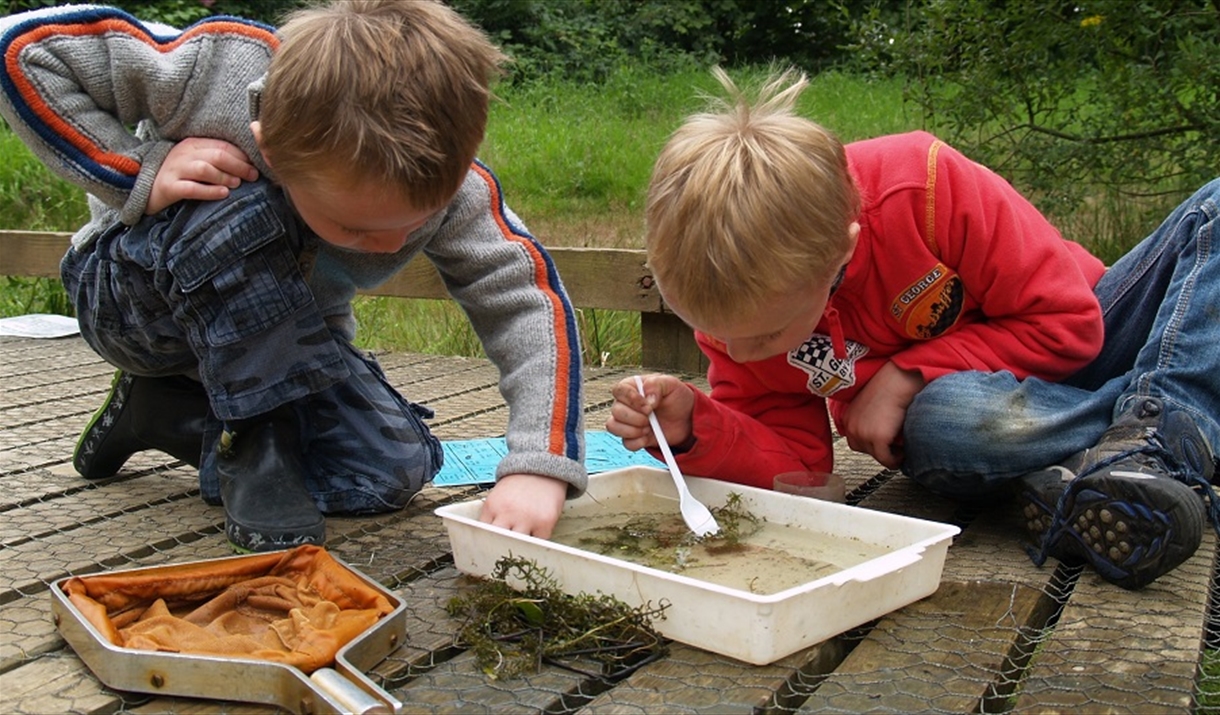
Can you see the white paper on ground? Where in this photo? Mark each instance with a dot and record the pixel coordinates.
(39, 325)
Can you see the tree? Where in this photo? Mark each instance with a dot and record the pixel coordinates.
(581, 39)
(1068, 99)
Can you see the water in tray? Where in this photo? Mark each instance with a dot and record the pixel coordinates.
(647, 529)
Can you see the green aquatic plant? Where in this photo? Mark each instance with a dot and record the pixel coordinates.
(514, 629)
(663, 541)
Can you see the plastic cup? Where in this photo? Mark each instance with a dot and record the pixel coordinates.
(826, 486)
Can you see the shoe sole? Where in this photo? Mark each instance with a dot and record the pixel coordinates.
(1131, 528)
(245, 540)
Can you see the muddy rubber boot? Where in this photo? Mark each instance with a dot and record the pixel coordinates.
(262, 484)
(141, 413)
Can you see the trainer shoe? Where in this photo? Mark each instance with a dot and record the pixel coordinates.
(141, 413)
(267, 504)
(1126, 506)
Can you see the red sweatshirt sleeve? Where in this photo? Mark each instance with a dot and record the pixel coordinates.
(747, 433)
(1036, 313)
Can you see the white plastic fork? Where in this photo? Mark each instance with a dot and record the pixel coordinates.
(696, 515)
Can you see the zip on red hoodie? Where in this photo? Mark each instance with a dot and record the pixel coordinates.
(954, 270)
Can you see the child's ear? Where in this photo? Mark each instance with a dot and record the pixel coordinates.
(257, 130)
(853, 232)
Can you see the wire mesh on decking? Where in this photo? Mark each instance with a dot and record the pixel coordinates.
(1000, 635)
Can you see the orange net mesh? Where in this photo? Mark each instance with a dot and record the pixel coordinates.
(296, 607)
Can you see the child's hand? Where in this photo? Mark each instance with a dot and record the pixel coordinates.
(667, 396)
(200, 169)
(525, 503)
(872, 422)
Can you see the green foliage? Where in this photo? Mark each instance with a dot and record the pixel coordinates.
(565, 149)
(21, 296)
(31, 197)
(425, 326)
(1208, 697)
(580, 40)
(513, 631)
(1099, 100)
(586, 40)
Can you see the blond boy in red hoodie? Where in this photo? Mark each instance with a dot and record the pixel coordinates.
(913, 299)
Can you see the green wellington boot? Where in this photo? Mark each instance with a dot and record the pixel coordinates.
(141, 413)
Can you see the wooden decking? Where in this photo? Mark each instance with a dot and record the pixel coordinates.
(999, 635)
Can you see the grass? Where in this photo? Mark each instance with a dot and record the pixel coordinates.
(575, 159)
(31, 198)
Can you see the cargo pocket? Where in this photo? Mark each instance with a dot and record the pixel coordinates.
(237, 270)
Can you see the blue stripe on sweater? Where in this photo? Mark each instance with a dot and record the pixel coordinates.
(572, 420)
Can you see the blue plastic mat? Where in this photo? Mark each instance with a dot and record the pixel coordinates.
(473, 461)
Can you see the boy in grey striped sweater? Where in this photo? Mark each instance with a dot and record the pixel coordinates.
(244, 184)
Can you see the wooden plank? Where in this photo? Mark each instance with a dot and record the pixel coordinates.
(32, 253)
(1119, 651)
(459, 686)
(691, 680)
(601, 278)
(668, 344)
(55, 685)
(597, 278)
(606, 278)
(988, 640)
(947, 652)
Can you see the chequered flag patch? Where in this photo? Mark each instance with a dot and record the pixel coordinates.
(827, 374)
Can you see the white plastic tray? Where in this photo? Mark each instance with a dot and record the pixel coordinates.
(756, 628)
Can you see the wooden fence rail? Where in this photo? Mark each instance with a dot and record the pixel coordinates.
(598, 278)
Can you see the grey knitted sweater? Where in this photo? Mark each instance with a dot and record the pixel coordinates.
(101, 97)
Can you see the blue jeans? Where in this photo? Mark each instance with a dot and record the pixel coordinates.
(216, 291)
(969, 434)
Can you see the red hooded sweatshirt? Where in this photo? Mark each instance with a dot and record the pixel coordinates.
(953, 271)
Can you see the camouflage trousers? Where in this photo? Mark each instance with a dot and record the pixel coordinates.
(215, 291)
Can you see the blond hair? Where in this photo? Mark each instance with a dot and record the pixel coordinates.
(392, 92)
(746, 202)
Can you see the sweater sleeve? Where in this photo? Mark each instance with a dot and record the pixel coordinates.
(508, 286)
(747, 433)
(100, 96)
(1037, 314)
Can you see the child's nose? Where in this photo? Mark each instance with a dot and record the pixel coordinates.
(742, 350)
(389, 241)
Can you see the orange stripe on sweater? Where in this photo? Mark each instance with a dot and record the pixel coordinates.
(930, 198)
(117, 162)
(558, 429)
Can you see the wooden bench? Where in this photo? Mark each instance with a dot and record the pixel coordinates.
(1000, 635)
(597, 278)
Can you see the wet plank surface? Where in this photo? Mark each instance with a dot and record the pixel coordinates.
(1000, 635)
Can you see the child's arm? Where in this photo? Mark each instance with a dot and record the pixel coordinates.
(77, 79)
(742, 433)
(512, 294)
(1029, 306)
